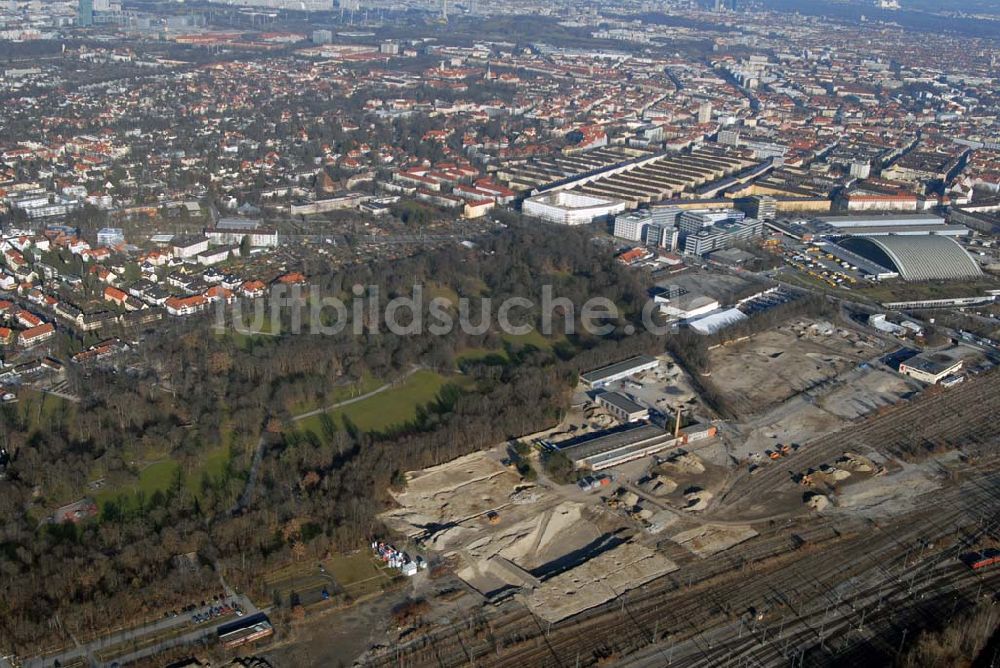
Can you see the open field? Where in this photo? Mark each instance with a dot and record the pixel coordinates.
(481, 354)
(391, 408)
(358, 574)
(900, 291)
(40, 408)
(533, 338)
(367, 383)
(354, 575)
(156, 477)
(963, 417)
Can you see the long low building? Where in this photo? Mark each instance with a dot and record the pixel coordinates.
(619, 371)
(617, 446)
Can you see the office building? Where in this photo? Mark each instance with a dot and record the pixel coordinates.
(322, 37)
(722, 235)
(662, 236)
(705, 113)
(632, 226)
(667, 216)
(85, 13)
(692, 222)
(110, 236)
(761, 207)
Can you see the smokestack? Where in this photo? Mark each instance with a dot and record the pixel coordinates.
(677, 423)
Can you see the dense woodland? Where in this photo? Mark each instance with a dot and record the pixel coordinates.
(313, 494)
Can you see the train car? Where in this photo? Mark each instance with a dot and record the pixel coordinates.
(983, 559)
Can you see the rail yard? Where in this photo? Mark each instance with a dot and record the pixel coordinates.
(756, 575)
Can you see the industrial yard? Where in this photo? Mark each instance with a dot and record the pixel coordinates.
(839, 501)
(785, 361)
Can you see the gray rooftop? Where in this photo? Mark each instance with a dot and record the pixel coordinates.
(621, 402)
(615, 369)
(585, 447)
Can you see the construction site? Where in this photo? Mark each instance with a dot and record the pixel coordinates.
(825, 523)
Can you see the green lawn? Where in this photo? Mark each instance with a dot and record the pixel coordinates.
(212, 465)
(533, 338)
(359, 574)
(39, 408)
(268, 328)
(155, 477)
(435, 290)
(159, 475)
(479, 354)
(367, 383)
(391, 408)
(897, 290)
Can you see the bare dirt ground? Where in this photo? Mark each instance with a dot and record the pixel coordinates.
(872, 391)
(775, 365)
(336, 639)
(709, 539)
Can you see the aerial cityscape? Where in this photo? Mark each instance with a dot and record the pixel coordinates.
(443, 333)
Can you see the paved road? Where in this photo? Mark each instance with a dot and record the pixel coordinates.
(136, 634)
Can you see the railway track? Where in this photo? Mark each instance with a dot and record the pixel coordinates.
(819, 580)
(699, 623)
(960, 416)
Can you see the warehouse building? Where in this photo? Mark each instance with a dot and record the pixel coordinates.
(931, 368)
(245, 631)
(677, 303)
(916, 258)
(915, 224)
(617, 446)
(620, 371)
(622, 407)
(711, 323)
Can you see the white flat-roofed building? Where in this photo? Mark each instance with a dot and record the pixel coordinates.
(214, 256)
(713, 322)
(632, 226)
(930, 368)
(570, 208)
(685, 306)
(619, 371)
(259, 236)
(186, 247)
(110, 236)
(899, 220)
